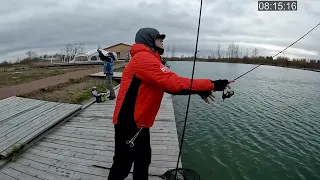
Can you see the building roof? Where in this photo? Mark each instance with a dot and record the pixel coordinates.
(116, 45)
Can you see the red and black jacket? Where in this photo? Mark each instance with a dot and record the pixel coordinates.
(143, 83)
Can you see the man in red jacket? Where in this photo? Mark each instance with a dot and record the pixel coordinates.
(143, 83)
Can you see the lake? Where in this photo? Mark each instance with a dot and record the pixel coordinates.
(270, 128)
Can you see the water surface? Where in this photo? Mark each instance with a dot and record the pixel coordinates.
(270, 128)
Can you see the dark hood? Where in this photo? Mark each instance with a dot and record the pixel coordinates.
(147, 36)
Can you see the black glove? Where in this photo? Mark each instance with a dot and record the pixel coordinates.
(205, 94)
(220, 85)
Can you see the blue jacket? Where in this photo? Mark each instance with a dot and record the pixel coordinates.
(107, 63)
(108, 66)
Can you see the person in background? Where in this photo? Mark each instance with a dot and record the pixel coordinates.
(143, 83)
(108, 71)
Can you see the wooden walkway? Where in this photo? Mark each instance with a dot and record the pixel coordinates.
(82, 148)
(116, 75)
(24, 119)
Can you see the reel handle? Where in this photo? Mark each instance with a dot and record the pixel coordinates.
(227, 94)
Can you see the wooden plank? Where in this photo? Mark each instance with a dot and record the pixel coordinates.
(27, 121)
(84, 146)
(88, 153)
(89, 138)
(6, 101)
(4, 176)
(14, 136)
(68, 164)
(19, 109)
(16, 104)
(36, 173)
(92, 144)
(101, 147)
(17, 173)
(108, 121)
(110, 127)
(108, 135)
(61, 155)
(111, 133)
(24, 119)
(53, 172)
(43, 124)
(163, 107)
(105, 161)
(11, 102)
(106, 114)
(110, 109)
(36, 120)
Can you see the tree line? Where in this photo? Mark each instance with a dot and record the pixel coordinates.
(233, 54)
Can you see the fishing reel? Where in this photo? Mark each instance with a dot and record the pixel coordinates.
(227, 94)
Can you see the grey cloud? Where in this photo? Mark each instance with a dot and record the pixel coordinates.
(47, 26)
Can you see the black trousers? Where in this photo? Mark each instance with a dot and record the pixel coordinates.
(139, 154)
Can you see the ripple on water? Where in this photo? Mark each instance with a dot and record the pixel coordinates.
(268, 130)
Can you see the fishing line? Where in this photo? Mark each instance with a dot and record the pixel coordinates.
(186, 117)
(280, 51)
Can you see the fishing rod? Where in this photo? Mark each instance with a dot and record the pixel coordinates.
(186, 117)
(280, 51)
(228, 94)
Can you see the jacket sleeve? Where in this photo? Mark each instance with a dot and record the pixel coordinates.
(103, 57)
(150, 69)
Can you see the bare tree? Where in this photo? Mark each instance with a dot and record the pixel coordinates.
(168, 50)
(68, 52)
(219, 51)
(255, 52)
(213, 55)
(247, 53)
(236, 51)
(173, 50)
(230, 51)
(31, 54)
(233, 51)
(222, 53)
(240, 53)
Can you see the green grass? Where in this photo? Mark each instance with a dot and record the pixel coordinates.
(119, 69)
(86, 94)
(22, 74)
(75, 91)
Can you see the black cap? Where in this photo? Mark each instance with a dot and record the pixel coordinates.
(147, 36)
(161, 36)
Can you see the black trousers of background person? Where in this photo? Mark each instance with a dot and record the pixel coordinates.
(125, 155)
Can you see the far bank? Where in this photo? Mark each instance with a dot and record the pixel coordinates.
(303, 64)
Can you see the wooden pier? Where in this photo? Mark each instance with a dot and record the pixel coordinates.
(83, 147)
(23, 119)
(116, 76)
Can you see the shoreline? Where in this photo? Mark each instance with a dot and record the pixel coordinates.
(267, 64)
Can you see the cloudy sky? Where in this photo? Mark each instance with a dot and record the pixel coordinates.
(46, 26)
